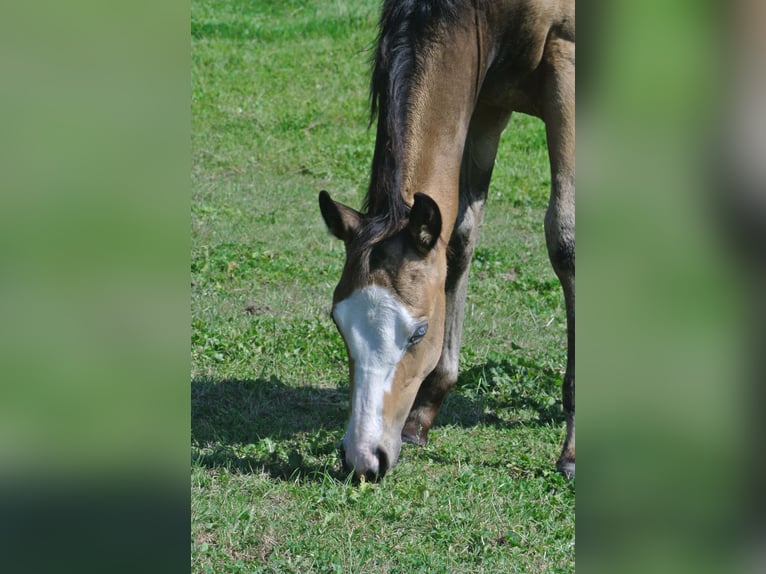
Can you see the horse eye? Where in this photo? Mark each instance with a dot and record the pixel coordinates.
(419, 333)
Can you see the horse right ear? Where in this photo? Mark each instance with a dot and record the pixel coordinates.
(342, 221)
(425, 223)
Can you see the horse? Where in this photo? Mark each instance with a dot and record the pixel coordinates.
(447, 74)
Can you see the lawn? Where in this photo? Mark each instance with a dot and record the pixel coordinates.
(280, 111)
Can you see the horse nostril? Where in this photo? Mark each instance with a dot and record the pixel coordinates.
(372, 474)
(382, 462)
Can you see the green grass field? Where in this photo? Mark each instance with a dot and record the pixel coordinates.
(280, 111)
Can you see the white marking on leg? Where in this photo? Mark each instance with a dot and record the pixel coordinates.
(376, 328)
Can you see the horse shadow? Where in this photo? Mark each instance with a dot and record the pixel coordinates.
(504, 393)
(263, 425)
(254, 425)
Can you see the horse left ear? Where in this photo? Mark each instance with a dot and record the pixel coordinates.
(425, 222)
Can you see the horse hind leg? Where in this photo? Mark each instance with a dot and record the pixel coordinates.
(559, 117)
(487, 125)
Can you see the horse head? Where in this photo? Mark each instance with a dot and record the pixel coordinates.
(389, 308)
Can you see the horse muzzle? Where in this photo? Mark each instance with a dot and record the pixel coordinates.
(370, 463)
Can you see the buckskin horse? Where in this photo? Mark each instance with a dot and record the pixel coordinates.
(446, 77)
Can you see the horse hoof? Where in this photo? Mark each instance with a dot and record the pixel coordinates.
(567, 468)
(416, 439)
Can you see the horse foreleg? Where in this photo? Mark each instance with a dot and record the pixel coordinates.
(440, 381)
(484, 133)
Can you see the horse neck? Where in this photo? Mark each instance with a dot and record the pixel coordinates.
(438, 113)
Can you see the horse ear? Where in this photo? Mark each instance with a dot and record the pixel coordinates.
(342, 221)
(425, 222)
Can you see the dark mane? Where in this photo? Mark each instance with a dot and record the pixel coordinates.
(406, 26)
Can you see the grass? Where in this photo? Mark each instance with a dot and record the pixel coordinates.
(280, 111)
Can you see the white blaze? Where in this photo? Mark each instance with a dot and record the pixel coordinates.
(377, 329)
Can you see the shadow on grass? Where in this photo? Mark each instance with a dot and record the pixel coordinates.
(504, 393)
(263, 425)
(246, 410)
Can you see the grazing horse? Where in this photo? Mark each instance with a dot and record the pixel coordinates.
(447, 74)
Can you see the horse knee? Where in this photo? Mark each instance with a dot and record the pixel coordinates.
(463, 239)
